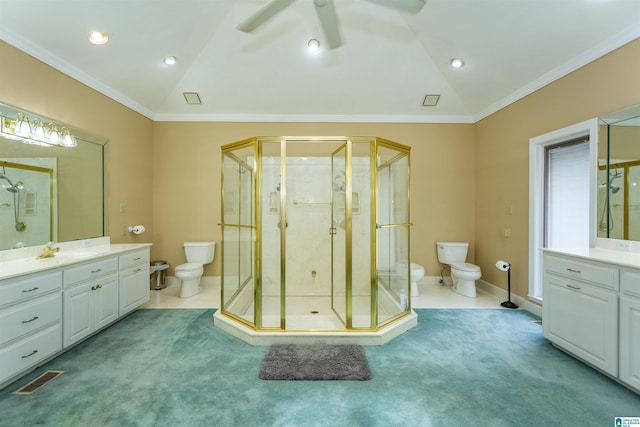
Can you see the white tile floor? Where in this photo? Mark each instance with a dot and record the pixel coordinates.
(431, 296)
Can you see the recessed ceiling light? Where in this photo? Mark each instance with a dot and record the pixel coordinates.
(98, 38)
(314, 45)
(170, 60)
(457, 62)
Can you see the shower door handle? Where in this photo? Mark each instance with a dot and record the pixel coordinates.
(286, 224)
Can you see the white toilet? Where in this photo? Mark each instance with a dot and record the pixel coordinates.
(417, 273)
(189, 274)
(463, 274)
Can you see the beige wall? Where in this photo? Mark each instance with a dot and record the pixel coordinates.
(33, 86)
(502, 153)
(186, 180)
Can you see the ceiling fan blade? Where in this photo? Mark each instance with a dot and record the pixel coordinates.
(411, 6)
(329, 22)
(263, 15)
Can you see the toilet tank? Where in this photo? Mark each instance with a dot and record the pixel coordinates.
(450, 252)
(199, 252)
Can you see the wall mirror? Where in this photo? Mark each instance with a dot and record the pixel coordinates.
(619, 175)
(52, 181)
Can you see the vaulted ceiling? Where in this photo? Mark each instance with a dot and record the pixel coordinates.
(388, 61)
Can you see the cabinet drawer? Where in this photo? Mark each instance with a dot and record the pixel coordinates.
(630, 283)
(595, 274)
(29, 352)
(14, 291)
(90, 270)
(25, 318)
(134, 258)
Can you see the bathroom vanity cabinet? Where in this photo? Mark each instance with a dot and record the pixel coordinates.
(47, 306)
(90, 298)
(30, 321)
(592, 310)
(133, 280)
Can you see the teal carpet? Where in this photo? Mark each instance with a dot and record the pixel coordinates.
(458, 367)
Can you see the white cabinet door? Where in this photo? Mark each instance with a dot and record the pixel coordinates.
(583, 320)
(78, 313)
(134, 288)
(630, 341)
(89, 307)
(106, 301)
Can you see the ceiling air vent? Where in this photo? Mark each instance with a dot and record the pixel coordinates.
(431, 100)
(192, 97)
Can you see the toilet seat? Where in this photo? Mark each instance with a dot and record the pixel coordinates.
(465, 266)
(189, 267)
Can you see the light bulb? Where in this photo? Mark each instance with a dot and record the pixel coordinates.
(98, 38)
(457, 62)
(314, 45)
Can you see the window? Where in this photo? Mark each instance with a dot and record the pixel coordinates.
(550, 227)
(566, 222)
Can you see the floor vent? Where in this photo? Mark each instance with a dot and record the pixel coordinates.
(38, 382)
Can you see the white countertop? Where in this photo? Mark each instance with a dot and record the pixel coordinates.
(623, 258)
(18, 262)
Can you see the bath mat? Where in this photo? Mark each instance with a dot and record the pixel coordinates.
(315, 362)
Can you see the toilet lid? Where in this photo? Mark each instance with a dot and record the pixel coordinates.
(465, 266)
(189, 266)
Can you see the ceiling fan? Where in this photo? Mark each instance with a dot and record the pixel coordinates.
(326, 14)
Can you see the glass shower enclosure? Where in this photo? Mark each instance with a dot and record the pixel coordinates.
(313, 229)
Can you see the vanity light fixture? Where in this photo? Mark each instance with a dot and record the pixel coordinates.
(170, 60)
(38, 129)
(457, 63)
(53, 137)
(68, 140)
(23, 126)
(98, 38)
(314, 45)
(35, 131)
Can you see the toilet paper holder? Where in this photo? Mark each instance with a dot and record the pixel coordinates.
(136, 229)
(505, 266)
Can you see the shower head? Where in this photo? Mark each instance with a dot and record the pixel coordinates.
(12, 187)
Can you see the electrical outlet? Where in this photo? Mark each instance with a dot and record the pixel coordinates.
(125, 230)
(507, 232)
(123, 207)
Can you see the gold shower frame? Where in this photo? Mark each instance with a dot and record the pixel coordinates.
(257, 144)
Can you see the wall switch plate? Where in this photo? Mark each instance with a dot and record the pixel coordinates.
(507, 232)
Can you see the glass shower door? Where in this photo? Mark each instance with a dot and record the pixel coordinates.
(340, 227)
(238, 225)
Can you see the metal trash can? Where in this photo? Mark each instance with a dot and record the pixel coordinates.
(158, 277)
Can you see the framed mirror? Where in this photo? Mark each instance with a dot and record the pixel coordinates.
(49, 190)
(619, 175)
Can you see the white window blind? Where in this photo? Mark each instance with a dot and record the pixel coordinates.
(567, 195)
